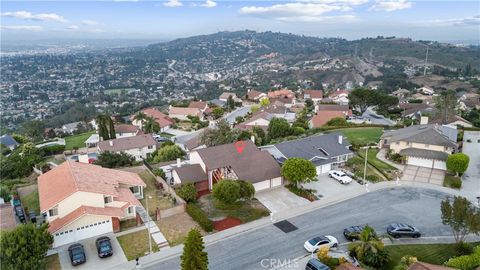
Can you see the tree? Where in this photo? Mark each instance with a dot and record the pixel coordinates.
(309, 105)
(461, 216)
(167, 153)
(25, 247)
(369, 249)
(264, 102)
(337, 122)
(247, 190)
(33, 129)
(194, 257)
(102, 127)
(302, 119)
(111, 128)
(150, 125)
(405, 262)
(259, 134)
(254, 108)
(278, 128)
(362, 98)
(299, 170)
(227, 191)
(114, 160)
(458, 163)
(217, 112)
(159, 172)
(187, 191)
(239, 119)
(140, 116)
(222, 134)
(230, 103)
(445, 103)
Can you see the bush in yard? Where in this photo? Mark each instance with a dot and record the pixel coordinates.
(456, 183)
(405, 262)
(299, 170)
(458, 163)
(199, 216)
(328, 260)
(337, 122)
(159, 172)
(167, 153)
(466, 262)
(462, 248)
(247, 191)
(53, 149)
(372, 178)
(194, 256)
(188, 192)
(114, 160)
(369, 249)
(5, 194)
(227, 191)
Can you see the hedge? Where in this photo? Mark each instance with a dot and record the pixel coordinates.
(53, 149)
(466, 262)
(200, 217)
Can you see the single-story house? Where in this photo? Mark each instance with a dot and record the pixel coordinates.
(92, 141)
(326, 112)
(201, 105)
(254, 95)
(339, 97)
(225, 95)
(259, 119)
(162, 119)
(82, 200)
(224, 161)
(141, 146)
(314, 95)
(182, 113)
(426, 91)
(283, 93)
(325, 151)
(125, 130)
(70, 127)
(9, 142)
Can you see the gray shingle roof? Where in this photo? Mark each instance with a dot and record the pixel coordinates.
(8, 141)
(324, 147)
(191, 173)
(427, 134)
(126, 143)
(423, 153)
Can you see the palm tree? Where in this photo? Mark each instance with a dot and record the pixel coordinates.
(140, 116)
(370, 249)
(151, 126)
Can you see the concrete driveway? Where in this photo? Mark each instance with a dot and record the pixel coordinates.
(423, 175)
(471, 178)
(93, 261)
(280, 199)
(328, 187)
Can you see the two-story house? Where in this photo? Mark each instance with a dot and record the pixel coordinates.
(82, 200)
(422, 145)
(162, 119)
(125, 130)
(141, 146)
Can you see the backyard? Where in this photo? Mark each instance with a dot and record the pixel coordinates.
(159, 198)
(136, 244)
(30, 202)
(77, 141)
(362, 136)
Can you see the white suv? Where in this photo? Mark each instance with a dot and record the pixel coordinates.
(340, 177)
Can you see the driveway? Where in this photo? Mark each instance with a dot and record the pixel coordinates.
(471, 178)
(328, 187)
(93, 261)
(280, 199)
(423, 175)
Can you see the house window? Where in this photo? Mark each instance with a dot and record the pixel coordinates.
(107, 199)
(135, 189)
(53, 212)
(150, 147)
(130, 210)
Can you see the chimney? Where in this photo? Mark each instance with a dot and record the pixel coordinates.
(252, 138)
(179, 163)
(340, 139)
(424, 120)
(110, 142)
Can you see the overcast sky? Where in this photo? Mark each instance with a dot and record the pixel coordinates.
(351, 19)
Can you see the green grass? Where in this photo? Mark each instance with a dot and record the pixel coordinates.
(116, 91)
(372, 159)
(31, 202)
(362, 136)
(452, 181)
(77, 140)
(244, 211)
(136, 244)
(432, 253)
(53, 262)
(156, 201)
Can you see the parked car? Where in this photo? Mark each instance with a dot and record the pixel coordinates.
(352, 233)
(315, 264)
(316, 243)
(77, 254)
(104, 247)
(340, 177)
(20, 213)
(32, 216)
(400, 229)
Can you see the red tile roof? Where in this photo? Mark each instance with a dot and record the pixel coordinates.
(59, 223)
(253, 94)
(124, 128)
(337, 93)
(285, 93)
(322, 117)
(427, 266)
(197, 104)
(313, 94)
(70, 177)
(183, 111)
(161, 118)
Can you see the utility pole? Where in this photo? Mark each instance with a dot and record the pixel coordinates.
(365, 169)
(425, 66)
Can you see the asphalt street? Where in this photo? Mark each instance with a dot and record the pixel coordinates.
(418, 207)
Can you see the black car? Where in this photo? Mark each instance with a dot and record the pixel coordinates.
(77, 254)
(400, 229)
(20, 213)
(104, 247)
(314, 264)
(352, 233)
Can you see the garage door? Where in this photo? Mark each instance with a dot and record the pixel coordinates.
(262, 185)
(276, 182)
(438, 164)
(323, 169)
(91, 230)
(422, 162)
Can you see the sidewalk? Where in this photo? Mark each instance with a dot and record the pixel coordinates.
(152, 227)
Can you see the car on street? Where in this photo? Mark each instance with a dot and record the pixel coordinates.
(352, 233)
(20, 213)
(316, 243)
(315, 264)
(400, 229)
(104, 247)
(340, 177)
(77, 254)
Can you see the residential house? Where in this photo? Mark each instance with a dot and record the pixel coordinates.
(279, 110)
(255, 96)
(92, 141)
(162, 119)
(9, 142)
(283, 93)
(469, 101)
(314, 95)
(71, 127)
(426, 90)
(423, 145)
(224, 161)
(326, 112)
(415, 110)
(193, 144)
(451, 120)
(218, 102)
(424, 98)
(325, 151)
(82, 200)
(182, 113)
(201, 105)
(259, 119)
(125, 130)
(141, 146)
(427, 266)
(401, 93)
(225, 95)
(339, 97)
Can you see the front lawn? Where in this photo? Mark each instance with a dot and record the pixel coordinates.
(159, 199)
(136, 244)
(377, 163)
(362, 136)
(431, 253)
(77, 140)
(30, 202)
(53, 262)
(357, 164)
(175, 228)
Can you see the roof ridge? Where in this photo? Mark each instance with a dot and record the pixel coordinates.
(75, 179)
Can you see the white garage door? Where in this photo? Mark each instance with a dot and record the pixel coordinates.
(422, 162)
(438, 164)
(66, 237)
(323, 169)
(262, 185)
(276, 182)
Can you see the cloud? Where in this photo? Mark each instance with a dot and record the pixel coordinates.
(466, 21)
(173, 3)
(33, 28)
(72, 27)
(391, 5)
(25, 15)
(89, 22)
(209, 4)
(305, 12)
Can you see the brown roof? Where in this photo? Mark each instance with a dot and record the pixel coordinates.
(251, 165)
(70, 177)
(337, 93)
(322, 117)
(121, 144)
(284, 100)
(409, 108)
(192, 143)
(277, 107)
(313, 94)
(124, 128)
(161, 118)
(226, 95)
(253, 94)
(184, 111)
(348, 266)
(333, 107)
(191, 173)
(283, 93)
(197, 104)
(427, 266)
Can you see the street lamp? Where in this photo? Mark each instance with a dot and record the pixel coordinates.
(365, 169)
(148, 225)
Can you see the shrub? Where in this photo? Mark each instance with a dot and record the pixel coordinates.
(227, 191)
(200, 217)
(159, 172)
(298, 131)
(372, 178)
(462, 248)
(247, 190)
(456, 183)
(188, 192)
(53, 149)
(458, 163)
(328, 260)
(308, 194)
(115, 160)
(5, 194)
(167, 153)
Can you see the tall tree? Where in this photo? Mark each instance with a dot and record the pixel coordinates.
(362, 98)
(102, 127)
(194, 257)
(140, 116)
(230, 103)
(369, 249)
(111, 128)
(445, 103)
(458, 163)
(278, 128)
(462, 217)
(299, 170)
(222, 134)
(25, 247)
(33, 129)
(150, 125)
